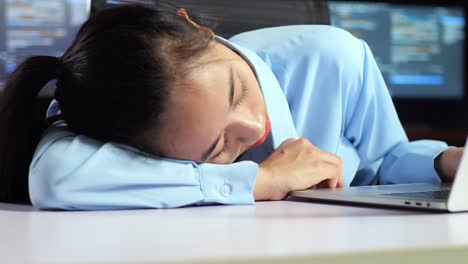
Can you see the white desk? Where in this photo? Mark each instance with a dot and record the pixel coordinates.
(268, 229)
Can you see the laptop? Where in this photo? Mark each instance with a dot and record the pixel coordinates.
(451, 197)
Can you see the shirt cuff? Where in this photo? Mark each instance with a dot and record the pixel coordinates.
(228, 184)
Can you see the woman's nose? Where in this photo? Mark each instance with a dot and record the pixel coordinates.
(248, 129)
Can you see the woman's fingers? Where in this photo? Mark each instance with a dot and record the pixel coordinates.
(296, 165)
(332, 171)
(331, 158)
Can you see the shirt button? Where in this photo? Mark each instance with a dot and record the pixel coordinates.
(226, 190)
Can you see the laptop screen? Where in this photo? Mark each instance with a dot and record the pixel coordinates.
(37, 27)
(419, 48)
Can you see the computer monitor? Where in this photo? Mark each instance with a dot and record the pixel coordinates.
(420, 48)
(37, 27)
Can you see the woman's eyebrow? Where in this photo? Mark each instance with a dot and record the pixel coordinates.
(207, 153)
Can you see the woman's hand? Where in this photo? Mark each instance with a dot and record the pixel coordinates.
(447, 162)
(296, 165)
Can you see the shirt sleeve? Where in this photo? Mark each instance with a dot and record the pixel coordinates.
(373, 127)
(74, 172)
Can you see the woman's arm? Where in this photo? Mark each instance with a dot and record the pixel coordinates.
(375, 130)
(71, 171)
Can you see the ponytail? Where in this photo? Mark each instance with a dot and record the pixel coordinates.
(19, 129)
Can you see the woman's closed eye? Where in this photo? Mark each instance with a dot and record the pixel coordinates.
(227, 143)
(226, 146)
(243, 94)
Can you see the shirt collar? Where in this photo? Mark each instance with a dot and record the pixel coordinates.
(282, 126)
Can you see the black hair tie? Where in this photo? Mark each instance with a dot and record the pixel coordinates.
(60, 67)
(60, 74)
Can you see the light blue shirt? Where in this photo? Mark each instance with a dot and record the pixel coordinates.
(318, 82)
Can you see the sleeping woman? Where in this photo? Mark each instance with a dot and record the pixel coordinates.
(153, 110)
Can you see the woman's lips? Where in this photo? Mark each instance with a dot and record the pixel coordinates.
(267, 131)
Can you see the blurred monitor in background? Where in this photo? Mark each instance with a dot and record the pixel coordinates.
(419, 48)
(37, 27)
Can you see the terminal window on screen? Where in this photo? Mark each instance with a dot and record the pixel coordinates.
(419, 49)
(37, 27)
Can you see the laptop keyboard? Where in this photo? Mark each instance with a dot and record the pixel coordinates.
(444, 194)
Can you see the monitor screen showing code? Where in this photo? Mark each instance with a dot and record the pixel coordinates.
(419, 49)
(37, 27)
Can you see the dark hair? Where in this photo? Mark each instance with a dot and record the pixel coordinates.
(112, 84)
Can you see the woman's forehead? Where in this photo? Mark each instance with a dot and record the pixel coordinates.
(196, 115)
